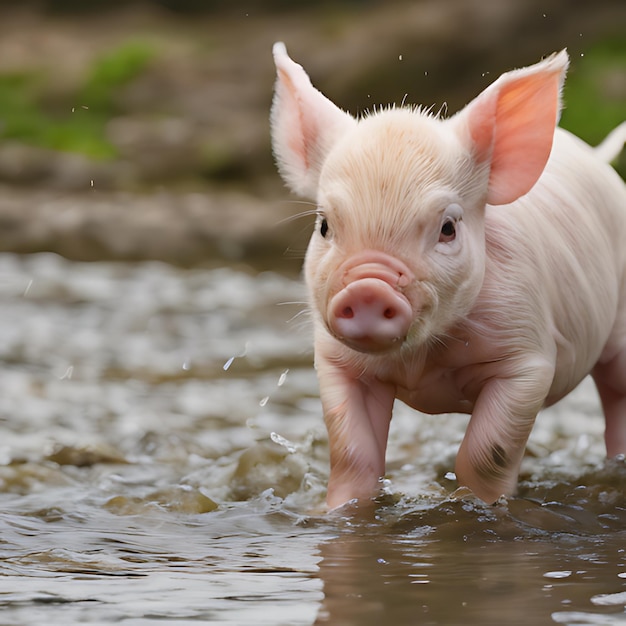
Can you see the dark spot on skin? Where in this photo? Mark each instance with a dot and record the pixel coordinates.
(493, 463)
(498, 455)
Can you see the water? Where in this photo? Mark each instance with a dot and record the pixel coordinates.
(163, 461)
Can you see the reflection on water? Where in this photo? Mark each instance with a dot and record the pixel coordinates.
(464, 563)
(163, 461)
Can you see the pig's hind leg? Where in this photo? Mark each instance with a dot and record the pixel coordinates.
(610, 378)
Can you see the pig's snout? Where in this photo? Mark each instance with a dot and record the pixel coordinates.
(369, 313)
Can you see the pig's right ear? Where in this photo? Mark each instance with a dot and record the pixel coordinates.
(305, 125)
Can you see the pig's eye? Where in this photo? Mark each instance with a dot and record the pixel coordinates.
(324, 227)
(448, 231)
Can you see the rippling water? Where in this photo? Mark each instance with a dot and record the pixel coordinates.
(163, 461)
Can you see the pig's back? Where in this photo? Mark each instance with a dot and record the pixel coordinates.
(557, 262)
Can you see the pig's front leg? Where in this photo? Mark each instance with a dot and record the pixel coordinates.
(357, 412)
(491, 452)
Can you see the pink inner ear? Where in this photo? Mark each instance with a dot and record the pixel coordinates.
(512, 127)
(482, 122)
(523, 137)
(294, 122)
(305, 125)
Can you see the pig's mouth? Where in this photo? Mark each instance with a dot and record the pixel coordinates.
(371, 345)
(370, 315)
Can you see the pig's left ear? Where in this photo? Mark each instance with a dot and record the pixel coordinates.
(305, 125)
(511, 126)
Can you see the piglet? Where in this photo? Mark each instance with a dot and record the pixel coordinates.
(474, 264)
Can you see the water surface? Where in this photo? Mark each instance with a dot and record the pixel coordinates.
(163, 461)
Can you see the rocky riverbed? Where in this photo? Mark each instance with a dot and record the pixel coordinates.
(189, 178)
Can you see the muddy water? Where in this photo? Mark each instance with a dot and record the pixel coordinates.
(163, 461)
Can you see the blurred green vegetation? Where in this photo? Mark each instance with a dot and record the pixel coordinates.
(33, 111)
(112, 71)
(74, 121)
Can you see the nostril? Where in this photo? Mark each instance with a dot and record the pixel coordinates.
(389, 313)
(347, 312)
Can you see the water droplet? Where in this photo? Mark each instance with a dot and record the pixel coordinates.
(281, 441)
(558, 574)
(68, 373)
(283, 378)
(609, 599)
(228, 363)
(264, 401)
(450, 476)
(187, 365)
(30, 284)
(400, 58)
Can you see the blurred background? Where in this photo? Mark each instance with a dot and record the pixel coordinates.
(139, 130)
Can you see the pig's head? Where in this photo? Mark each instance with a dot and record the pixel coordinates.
(398, 252)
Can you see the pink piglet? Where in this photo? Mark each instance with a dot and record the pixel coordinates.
(474, 264)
